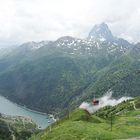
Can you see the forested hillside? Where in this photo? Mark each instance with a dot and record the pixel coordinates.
(55, 76)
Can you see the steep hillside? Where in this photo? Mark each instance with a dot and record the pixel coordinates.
(108, 123)
(122, 76)
(54, 76)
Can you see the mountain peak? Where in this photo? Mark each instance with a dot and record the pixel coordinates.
(101, 32)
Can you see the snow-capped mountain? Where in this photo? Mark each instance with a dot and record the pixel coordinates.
(55, 73)
(101, 32)
(99, 38)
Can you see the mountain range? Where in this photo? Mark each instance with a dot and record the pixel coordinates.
(56, 76)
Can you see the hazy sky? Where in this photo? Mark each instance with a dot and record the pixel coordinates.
(27, 20)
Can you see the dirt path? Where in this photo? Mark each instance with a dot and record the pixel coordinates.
(13, 137)
(134, 105)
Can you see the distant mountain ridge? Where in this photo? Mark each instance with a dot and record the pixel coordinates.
(99, 35)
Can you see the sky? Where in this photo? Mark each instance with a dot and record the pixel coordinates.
(37, 20)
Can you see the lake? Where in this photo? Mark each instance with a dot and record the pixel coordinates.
(9, 108)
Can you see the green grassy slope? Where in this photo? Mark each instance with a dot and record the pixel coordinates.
(80, 125)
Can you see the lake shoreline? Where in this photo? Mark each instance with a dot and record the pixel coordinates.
(25, 107)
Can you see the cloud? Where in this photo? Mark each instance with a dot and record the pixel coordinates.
(105, 100)
(26, 20)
